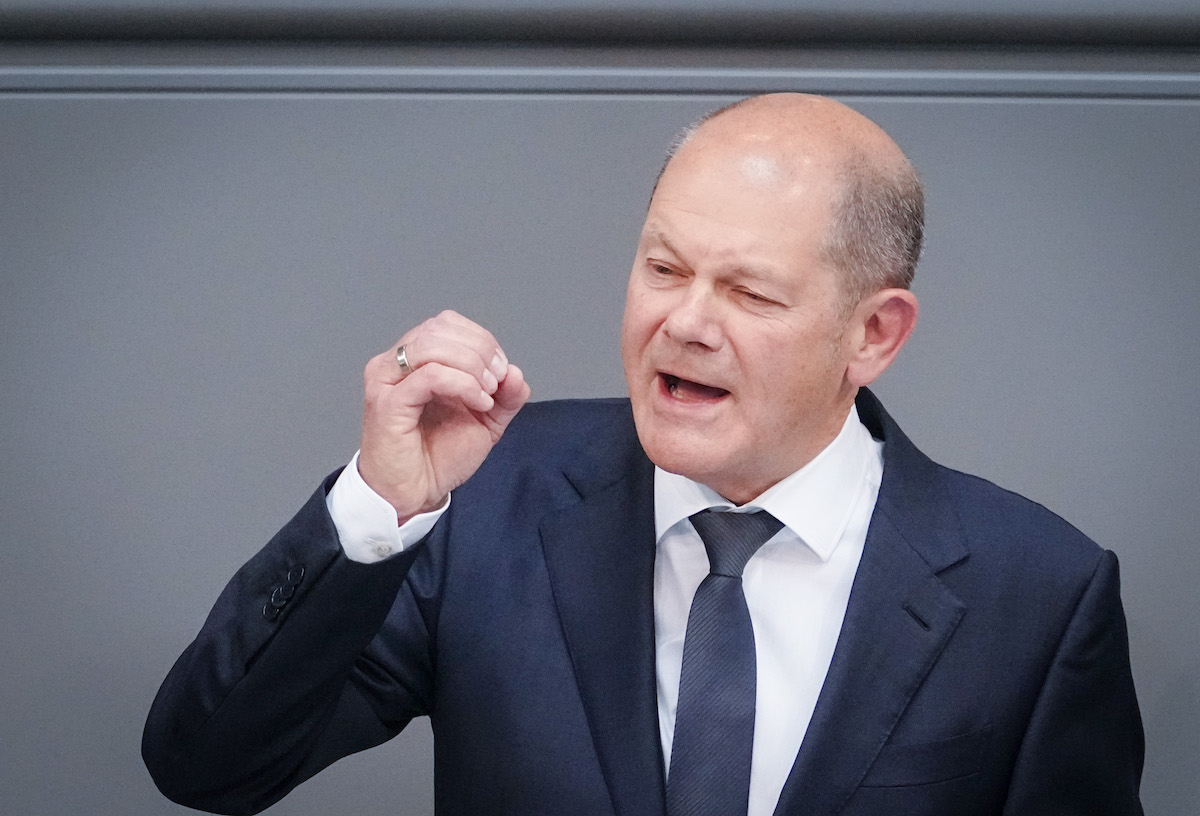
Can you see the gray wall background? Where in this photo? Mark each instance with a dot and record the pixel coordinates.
(200, 246)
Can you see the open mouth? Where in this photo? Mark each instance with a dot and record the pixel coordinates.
(689, 390)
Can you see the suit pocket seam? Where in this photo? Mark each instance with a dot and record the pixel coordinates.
(920, 784)
(929, 763)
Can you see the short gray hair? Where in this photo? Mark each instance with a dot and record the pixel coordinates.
(878, 226)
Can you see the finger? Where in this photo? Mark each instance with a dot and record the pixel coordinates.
(402, 361)
(437, 381)
(454, 325)
(385, 369)
(480, 363)
(451, 326)
(409, 357)
(453, 318)
(510, 397)
(465, 346)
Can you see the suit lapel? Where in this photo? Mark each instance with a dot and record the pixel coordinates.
(600, 556)
(899, 618)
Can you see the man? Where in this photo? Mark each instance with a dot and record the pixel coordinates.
(897, 638)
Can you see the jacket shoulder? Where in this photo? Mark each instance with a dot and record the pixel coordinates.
(1007, 525)
(946, 514)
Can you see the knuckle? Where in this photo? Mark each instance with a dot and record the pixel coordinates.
(428, 324)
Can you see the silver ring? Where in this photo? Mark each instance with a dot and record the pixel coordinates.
(402, 361)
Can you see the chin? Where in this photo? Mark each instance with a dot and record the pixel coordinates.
(682, 453)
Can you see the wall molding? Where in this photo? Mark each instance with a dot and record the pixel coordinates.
(624, 81)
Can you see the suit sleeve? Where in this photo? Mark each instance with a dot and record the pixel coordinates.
(281, 682)
(1083, 751)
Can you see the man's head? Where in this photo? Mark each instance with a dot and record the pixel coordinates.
(770, 283)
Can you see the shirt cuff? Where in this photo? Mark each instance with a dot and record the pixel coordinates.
(366, 523)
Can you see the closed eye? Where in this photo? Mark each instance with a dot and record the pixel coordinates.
(755, 297)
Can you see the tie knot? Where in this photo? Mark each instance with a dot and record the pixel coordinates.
(731, 538)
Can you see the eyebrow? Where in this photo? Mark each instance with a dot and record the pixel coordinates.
(656, 234)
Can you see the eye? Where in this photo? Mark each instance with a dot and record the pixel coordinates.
(660, 274)
(754, 297)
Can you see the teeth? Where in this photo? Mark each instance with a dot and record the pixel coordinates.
(672, 384)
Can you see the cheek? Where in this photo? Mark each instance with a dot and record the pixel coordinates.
(787, 374)
(632, 343)
(637, 326)
(628, 331)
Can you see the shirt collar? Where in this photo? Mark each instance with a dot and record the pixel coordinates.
(815, 502)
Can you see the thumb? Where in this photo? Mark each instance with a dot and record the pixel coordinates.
(511, 395)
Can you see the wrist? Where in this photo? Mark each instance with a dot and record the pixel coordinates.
(429, 507)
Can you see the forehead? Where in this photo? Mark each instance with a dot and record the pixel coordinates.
(742, 199)
(783, 173)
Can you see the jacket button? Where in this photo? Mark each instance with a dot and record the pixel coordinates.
(295, 576)
(281, 596)
(270, 612)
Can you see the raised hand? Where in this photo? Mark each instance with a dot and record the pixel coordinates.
(426, 431)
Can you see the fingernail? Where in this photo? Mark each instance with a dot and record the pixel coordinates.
(499, 365)
(489, 382)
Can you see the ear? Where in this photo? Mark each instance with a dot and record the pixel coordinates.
(878, 329)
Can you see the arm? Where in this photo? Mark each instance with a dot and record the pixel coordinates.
(259, 702)
(281, 682)
(1083, 750)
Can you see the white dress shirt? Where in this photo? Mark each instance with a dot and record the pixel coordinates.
(797, 585)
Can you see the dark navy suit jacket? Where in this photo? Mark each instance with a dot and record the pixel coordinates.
(982, 667)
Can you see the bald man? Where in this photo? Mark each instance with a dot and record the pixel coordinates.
(548, 584)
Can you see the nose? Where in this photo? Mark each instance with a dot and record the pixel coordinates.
(693, 318)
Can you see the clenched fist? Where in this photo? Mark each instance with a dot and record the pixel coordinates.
(426, 431)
